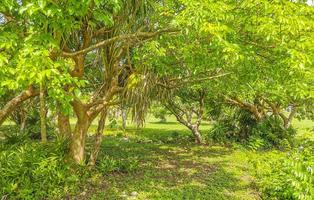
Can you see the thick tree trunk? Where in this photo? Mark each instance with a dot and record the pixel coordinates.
(85, 116)
(77, 143)
(15, 102)
(287, 124)
(98, 138)
(43, 115)
(64, 126)
(196, 133)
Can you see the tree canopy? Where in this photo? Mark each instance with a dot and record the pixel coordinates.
(86, 56)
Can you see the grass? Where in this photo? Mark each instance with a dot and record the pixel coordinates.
(171, 167)
(172, 171)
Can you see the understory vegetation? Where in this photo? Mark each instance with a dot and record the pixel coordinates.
(242, 128)
(289, 176)
(159, 162)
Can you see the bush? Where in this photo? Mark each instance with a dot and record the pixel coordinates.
(289, 177)
(160, 113)
(108, 164)
(242, 128)
(36, 171)
(112, 123)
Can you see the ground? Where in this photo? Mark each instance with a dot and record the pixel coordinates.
(172, 168)
(169, 166)
(170, 171)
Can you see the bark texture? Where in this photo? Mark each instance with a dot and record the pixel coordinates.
(196, 133)
(64, 127)
(77, 143)
(15, 102)
(98, 138)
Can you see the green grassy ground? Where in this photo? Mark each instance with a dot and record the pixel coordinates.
(170, 171)
(172, 167)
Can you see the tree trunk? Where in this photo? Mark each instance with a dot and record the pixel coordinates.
(77, 143)
(15, 102)
(43, 115)
(287, 124)
(288, 120)
(98, 138)
(64, 126)
(124, 118)
(23, 123)
(196, 133)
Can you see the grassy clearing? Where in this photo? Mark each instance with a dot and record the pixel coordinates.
(172, 171)
(171, 167)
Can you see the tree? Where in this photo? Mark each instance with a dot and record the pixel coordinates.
(266, 46)
(73, 40)
(96, 54)
(186, 105)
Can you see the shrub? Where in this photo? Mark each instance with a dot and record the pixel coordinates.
(14, 138)
(160, 113)
(109, 164)
(221, 132)
(36, 171)
(289, 177)
(112, 123)
(241, 127)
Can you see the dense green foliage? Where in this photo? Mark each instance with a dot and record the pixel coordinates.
(242, 127)
(147, 159)
(160, 113)
(287, 177)
(34, 171)
(245, 68)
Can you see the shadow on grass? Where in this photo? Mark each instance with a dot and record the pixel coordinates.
(161, 135)
(175, 123)
(169, 171)
(165, 123)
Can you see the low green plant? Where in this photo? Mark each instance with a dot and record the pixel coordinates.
(160, 113)
(14, 138)
(108, 164)
(221, 132)
(112, 123)
(255, 143)
(36, 171)
(241, 127)
(287, 177)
